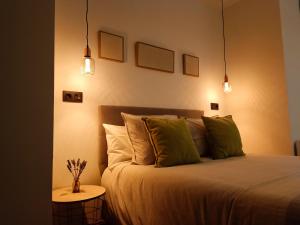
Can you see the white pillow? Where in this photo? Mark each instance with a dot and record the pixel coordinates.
(118, 145)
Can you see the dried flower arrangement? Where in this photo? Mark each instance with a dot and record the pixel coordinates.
(76, 168)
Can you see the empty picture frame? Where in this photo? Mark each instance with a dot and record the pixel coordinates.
(153, 57)
(111, 46)
(190, 65)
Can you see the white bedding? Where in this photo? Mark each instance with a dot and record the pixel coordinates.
(251, 190)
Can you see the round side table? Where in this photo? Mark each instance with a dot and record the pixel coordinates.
(84, 208)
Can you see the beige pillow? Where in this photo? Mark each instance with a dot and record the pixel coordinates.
(198, 131)
(143, 152)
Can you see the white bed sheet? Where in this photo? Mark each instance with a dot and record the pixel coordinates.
(251, 190)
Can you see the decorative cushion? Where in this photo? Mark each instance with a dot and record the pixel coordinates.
(172, 142)
(143, 152)
(118, 145)
(198, 131)
(223, 137)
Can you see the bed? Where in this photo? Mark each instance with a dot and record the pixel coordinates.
(251, 190)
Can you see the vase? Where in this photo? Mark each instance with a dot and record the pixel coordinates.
(76, 186)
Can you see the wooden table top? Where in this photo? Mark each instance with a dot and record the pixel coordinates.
(86, 192)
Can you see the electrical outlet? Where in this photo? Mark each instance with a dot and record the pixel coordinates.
(214, 106)
(72, 96)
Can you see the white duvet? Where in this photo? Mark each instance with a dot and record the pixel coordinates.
(251, 190)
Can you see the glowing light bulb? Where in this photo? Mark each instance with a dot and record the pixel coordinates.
(88, 66)
(88, 63)
(227, 87)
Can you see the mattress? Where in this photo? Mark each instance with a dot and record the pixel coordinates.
(251, 190)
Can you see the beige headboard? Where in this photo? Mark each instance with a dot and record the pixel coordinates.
(112, 115)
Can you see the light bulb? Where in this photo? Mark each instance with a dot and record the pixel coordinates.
(88, 66)
(227, 87)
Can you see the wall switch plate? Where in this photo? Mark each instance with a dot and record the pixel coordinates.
(72, 96)
(214, 106)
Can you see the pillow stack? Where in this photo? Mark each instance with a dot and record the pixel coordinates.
(165, 140)
(143, 153)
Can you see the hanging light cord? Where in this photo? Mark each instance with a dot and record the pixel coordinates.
(224, 40)
(87, 23)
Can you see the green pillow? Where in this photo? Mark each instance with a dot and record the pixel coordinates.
(172, 142)
(223, 137)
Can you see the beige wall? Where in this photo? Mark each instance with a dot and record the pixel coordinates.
(290, 19)
(192, 27)
(256, 71)
(27, 80)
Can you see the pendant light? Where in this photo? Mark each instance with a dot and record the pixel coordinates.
(88, 63)
(226, 85)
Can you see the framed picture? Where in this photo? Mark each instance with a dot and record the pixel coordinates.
(190, 65)
(153, 57)
(111, 46)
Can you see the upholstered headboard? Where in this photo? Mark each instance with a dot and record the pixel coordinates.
(112, 115)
